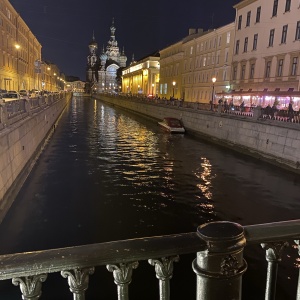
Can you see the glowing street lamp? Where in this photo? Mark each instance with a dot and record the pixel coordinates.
(174, 83)
(213, 88)
(17, 46)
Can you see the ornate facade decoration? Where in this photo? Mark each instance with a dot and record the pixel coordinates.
(102, 70)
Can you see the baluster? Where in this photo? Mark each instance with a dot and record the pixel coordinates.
(164, 272)
(273, 257)
(78, 281)
(122, 277)
(30, 286)
(298, 287)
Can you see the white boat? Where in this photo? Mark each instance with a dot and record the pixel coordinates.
(173, 125)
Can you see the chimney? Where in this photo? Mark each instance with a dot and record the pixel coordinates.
(192, 31)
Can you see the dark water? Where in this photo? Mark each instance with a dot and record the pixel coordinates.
(107, 174)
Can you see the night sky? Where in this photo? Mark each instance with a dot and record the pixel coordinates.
(65, 27)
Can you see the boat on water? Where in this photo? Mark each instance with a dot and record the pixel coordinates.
(172, 125)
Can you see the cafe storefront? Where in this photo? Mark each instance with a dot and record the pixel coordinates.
(260, 98)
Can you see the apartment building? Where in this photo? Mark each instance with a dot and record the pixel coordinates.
(266, 52)
(207, 63)
(20, 52)
(171, 61)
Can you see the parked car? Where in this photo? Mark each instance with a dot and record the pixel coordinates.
(23, 92)
(12, 92)
(10, 97)
(34, 93)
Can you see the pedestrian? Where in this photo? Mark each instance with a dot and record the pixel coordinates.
(290, 111)
(242, 106)
(211, 105)
(226, 106)
(268, 111)
(274, 111)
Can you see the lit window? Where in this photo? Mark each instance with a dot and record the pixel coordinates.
(228, 38)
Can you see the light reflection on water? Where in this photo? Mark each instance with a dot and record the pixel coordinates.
(109, 175)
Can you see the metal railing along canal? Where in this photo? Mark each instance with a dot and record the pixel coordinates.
(219, 263)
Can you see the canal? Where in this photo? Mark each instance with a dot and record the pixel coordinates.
(107, 174)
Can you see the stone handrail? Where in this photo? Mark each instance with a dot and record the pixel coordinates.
(12, 111)
(251, 112)
(219, 264)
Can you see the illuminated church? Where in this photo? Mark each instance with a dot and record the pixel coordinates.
(101, 73)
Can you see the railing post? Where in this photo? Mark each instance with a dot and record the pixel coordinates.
(4, 115)
(273, 257)
(164, 272)
(122, 276)
(78, 281)
(257, 112)
(30, 286)
(220, 268)
(298, 286)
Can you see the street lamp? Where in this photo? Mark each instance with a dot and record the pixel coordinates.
(18, 47)
(213, 93)
(213, 89)
(174, 83)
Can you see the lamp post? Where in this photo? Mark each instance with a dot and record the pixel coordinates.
(213, 92)
(18, 47)
(174, 83)
(152, 89)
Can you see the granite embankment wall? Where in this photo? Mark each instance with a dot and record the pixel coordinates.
(20, 144)
(273, 141)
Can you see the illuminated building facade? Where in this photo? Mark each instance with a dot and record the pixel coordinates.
(266, 52)
(207, 57)
(142, 77)
(171, 61)
(21, 65)
(20, 52)
(188, 66)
